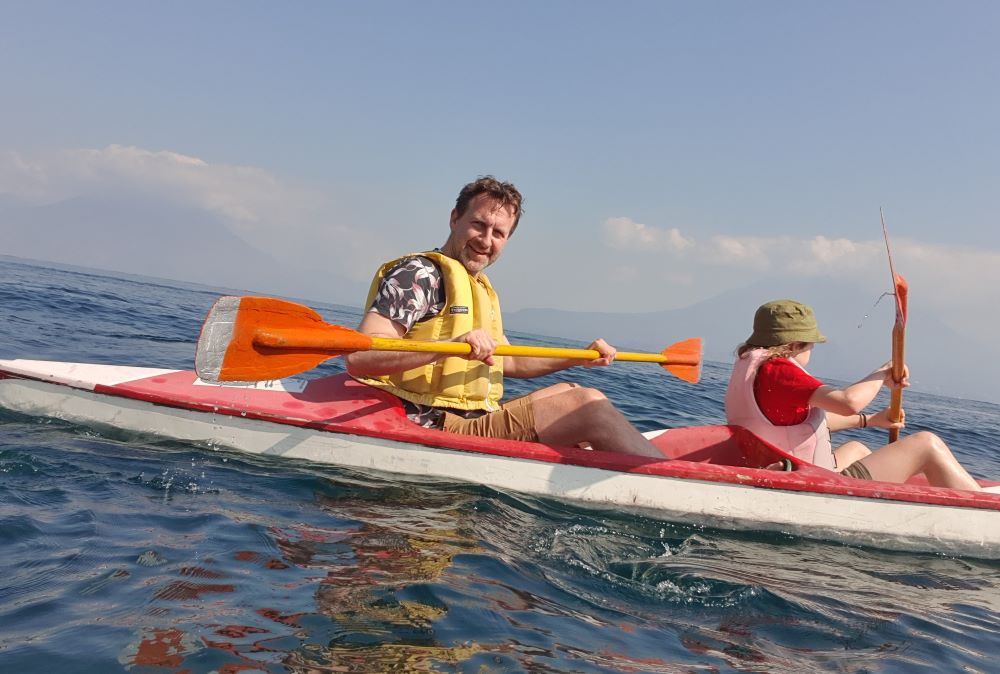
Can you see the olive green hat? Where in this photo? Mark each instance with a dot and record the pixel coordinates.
(784, 322)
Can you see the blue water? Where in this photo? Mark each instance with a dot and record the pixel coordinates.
(122, 552)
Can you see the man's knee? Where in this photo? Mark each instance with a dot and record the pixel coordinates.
(586, 396)
(558, 389)
(572, 398)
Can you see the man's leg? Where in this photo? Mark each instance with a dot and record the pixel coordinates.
(515, 420)
(561, 414)
(567, 414)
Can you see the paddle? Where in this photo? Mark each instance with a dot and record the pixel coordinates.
(260, 338)
(898, 337)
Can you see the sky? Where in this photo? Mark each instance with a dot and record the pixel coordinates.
(668, 152)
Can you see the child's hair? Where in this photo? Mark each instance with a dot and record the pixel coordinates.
(780, 351)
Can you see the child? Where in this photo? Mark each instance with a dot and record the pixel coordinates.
(771, 394)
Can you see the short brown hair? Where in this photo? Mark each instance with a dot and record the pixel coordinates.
(505, 194)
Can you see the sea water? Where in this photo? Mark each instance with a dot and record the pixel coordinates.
(123, 552)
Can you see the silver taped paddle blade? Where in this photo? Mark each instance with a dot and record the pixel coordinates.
(216, 335)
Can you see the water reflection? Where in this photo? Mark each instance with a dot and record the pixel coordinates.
(379, 584)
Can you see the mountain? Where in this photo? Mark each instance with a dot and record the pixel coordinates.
(857, 329)
(154, 238)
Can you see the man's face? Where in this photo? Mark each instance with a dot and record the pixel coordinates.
(478, 236)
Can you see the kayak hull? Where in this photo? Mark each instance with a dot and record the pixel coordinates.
(717, 478)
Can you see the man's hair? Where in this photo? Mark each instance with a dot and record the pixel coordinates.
(505, 194)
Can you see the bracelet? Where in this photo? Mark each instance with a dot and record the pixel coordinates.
(863, 420)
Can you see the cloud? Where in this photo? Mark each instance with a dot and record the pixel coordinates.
(624, 274)
(961, 285)
(749, 252)
(810, 256)
(814, 256)
(626, 234)
(963, 281)
(241, 194)
(293, 222)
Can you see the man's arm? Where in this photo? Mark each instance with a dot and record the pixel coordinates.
(528, 368)
(408, 292)
(376, 363)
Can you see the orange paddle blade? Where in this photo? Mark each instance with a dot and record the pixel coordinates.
(684, 360)
(260, 338)
(901, 290)
(898, 354)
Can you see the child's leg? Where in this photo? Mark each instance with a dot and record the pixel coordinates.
(848, 453)
(919, 453)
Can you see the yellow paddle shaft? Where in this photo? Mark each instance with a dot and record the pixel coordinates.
(320, 339)
(460, 348)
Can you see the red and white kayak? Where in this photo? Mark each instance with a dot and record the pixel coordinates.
(711, 475)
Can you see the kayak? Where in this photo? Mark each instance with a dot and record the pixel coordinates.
(715, 476)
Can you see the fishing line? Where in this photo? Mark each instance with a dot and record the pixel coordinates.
(867, 316)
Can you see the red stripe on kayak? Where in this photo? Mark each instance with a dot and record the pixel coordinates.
(338, 404)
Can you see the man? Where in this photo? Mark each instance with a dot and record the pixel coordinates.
(443, 295)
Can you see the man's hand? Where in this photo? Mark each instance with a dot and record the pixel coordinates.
(607, 354)
(481, 343)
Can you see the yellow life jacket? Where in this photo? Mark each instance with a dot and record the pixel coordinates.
(470, 303)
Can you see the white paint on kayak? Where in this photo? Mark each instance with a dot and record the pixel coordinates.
(80, 375)
(286, 385)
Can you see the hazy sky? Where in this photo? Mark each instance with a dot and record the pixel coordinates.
(667, 151)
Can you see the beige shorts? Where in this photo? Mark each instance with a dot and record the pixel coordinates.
(515, 420)
(858, 471)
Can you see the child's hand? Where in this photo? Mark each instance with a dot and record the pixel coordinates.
(881, 420)
(892, 383)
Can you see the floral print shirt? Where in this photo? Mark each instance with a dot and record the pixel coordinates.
(411, 292)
